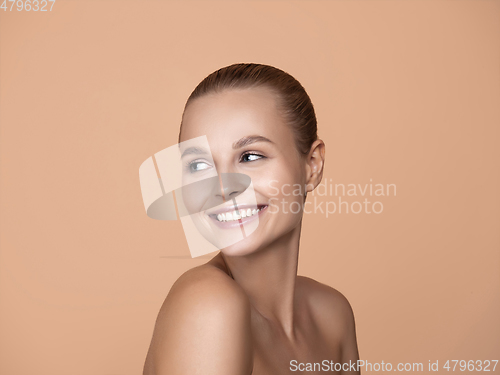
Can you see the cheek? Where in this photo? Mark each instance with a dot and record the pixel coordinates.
(281, 187)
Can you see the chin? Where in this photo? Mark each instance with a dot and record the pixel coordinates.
(265, 235)
(244, 247)
(234, 237)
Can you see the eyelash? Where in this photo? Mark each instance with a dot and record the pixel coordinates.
(251, 153)
(189, 164)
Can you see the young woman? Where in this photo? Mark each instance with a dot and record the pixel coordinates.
(246, 312)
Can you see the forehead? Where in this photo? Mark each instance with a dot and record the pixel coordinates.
(234, 113)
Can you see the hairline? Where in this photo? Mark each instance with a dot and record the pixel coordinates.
(240, 86)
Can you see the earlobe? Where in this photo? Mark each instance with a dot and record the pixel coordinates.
(309, 188)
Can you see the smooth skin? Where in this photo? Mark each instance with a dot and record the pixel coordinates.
(246, 311)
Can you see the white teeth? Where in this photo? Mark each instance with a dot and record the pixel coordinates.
(235, 215)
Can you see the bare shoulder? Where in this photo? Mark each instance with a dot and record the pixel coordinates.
(208, 284)
(333, 314)
(323, 295)
(203, 326)
(330, 308)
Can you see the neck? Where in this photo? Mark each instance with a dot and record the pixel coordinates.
(268, 277)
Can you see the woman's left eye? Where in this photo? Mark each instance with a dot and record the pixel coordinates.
(251, 157)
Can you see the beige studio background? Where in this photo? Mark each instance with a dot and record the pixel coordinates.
(406, 93)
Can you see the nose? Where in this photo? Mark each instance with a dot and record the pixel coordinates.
(230, 192)
(232, 185)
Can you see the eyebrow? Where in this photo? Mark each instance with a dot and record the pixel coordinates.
(194, 150)
(248, 140)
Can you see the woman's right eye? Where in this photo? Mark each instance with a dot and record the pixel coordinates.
(197, 166)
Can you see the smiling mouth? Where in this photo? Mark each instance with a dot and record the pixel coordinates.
(238, 214)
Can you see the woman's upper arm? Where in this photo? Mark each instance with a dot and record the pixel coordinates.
(203, 327)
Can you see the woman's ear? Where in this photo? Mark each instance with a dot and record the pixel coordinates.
(314, 165)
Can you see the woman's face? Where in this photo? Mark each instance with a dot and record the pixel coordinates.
(246, 135)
